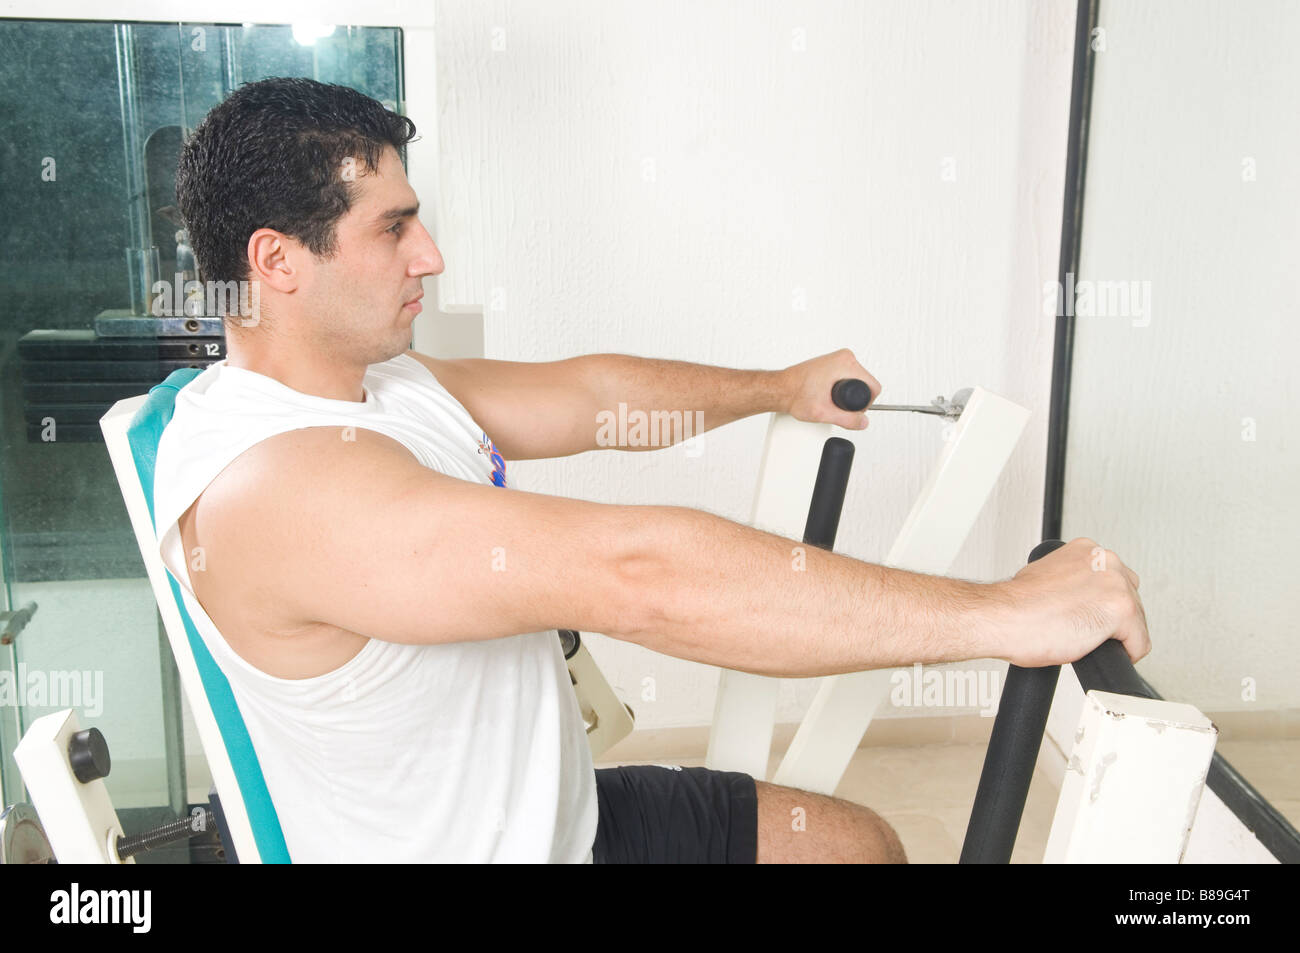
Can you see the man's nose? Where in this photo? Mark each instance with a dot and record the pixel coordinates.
(428, 260)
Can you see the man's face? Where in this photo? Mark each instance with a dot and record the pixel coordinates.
(360, 304)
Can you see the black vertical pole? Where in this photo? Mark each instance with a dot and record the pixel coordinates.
(1076, 155)
(1012, 753)
(1027, 694)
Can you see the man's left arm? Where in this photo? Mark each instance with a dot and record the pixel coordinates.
(558, 408)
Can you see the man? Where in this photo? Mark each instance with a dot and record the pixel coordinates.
(333, 507)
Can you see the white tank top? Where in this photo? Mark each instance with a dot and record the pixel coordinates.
(455, 752)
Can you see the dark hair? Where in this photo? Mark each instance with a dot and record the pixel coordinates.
(272, 156)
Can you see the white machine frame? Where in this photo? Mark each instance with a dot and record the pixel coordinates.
(77, 817)
(1133, 785)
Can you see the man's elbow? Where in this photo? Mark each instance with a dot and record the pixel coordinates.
(648, 579)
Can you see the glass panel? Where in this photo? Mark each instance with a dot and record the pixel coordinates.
(94, 116)
(1181, 454)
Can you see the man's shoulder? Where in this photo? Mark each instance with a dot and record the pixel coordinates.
(293, 487)
(435, 366)
(294, 461)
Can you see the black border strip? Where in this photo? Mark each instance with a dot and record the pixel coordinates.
(1263, 820)
(1076, 164)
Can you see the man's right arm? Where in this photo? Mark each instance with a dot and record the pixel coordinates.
(726, 594)
(357, 534)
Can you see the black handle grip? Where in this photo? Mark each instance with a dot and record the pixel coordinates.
(1107, 668)
(851, 394)
(1012, 753)
(828, 493)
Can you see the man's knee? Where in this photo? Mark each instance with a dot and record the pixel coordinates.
(801, 827)
(886, 844)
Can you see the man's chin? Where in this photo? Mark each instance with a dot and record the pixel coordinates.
(399, 343)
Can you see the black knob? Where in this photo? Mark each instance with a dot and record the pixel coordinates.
(88, 755)
(851, 394)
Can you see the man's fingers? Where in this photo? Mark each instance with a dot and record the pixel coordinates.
(1146, 632)
(1135, 636)
(870, 379)
(1129, 574)
(875, 385)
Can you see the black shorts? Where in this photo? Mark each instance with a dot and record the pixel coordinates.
(667, 814)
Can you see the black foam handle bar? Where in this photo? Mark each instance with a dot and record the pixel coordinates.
(833, 471)
(1107, 668)
(851, 394)
(1018, 734)
(828, 493)
(1011, 756)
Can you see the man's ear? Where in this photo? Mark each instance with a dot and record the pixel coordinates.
(271, 260)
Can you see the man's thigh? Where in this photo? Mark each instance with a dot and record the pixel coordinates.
(667, 814)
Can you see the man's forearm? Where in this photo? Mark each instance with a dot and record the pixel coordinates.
(650, 403)
(718, 592)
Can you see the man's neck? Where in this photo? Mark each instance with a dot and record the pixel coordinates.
(300, 371)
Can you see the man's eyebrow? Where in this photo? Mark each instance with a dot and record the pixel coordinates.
(393, 214)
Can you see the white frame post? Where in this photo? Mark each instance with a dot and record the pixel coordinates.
(1132, 787)
(78, 817)
(1218, 836)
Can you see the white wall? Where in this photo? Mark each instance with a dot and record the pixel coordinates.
(780, 175)
(1187, 95)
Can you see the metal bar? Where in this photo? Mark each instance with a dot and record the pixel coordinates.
(173, 728)
(911, 408)
(140, 254)
(13, 623)
(1255, 813)
(1068, 265)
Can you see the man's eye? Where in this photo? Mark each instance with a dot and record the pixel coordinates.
(395, 229)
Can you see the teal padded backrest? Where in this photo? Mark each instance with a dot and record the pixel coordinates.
(143, 434)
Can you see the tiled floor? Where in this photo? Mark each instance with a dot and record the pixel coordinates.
(926, 791)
